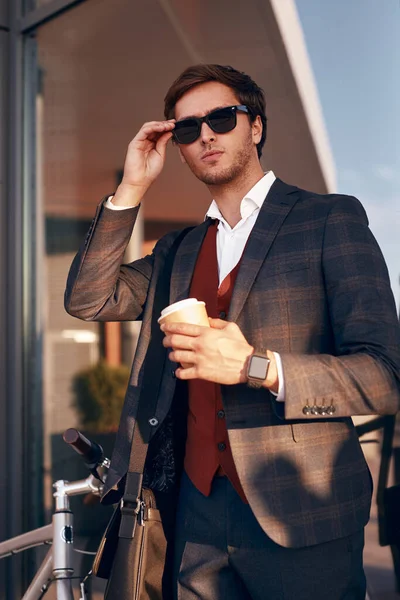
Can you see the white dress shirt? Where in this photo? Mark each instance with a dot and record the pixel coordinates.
(231, 241)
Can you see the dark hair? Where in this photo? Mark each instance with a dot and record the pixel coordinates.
(246, 90)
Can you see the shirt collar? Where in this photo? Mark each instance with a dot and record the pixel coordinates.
(252, 201)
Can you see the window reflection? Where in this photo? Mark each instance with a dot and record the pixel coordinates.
(85, 118)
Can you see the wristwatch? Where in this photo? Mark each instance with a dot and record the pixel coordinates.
(257, 369)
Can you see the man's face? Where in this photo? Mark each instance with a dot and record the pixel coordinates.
(216, 158)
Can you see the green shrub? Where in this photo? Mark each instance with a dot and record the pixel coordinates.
(99, 395)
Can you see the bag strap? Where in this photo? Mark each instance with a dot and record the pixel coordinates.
(153, 370)
(383, 479)
(386, 454)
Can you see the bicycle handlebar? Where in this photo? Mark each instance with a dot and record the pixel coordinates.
(91, 452)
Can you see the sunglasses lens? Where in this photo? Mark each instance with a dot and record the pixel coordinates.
(223, 120)
(186, 131)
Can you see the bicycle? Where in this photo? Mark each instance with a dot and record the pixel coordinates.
(57, 564)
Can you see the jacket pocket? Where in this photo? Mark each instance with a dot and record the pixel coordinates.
(331, 429)
(287, 266)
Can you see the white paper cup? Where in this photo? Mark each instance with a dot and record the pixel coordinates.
(191, 311)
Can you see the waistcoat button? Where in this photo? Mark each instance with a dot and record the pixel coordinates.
(221, 446)
(221, 414)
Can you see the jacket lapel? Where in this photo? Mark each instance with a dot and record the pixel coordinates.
(278, 203)
(185, 261)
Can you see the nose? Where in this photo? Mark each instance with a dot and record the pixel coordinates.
(207, 135)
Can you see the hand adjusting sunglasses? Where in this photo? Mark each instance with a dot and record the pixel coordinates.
(220, 120)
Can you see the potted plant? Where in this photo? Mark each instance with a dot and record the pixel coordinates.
(99, 396)
(99, 392)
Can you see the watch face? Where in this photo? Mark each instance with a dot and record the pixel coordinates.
(259, 367)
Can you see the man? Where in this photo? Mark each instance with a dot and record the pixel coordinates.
(275, 491)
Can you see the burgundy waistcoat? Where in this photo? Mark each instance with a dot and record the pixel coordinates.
(207, 447)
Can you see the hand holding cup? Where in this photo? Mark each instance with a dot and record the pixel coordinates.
(190, 311)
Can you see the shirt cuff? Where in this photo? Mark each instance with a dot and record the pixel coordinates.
(280, 396)
(109, 204)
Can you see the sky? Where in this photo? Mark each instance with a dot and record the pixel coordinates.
(354, 50)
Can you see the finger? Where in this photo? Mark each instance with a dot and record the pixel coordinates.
(182, 356)
(183, 342)
(162, 142)
(189, 373)
(218, 323)
(150, 124)
(157, 126)
(154, 135)
(183, 329)
(149, 130)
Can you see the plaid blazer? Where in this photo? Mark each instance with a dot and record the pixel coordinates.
(313, 286)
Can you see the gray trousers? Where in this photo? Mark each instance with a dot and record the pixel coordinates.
(221, 553)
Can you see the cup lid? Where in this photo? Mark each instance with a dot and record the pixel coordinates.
(179, 305)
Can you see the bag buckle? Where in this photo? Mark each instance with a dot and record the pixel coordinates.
(138, 510)
(129, 518)
(126, 507)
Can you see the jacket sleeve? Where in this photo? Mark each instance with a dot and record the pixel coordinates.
(363, 377)
(99, 286)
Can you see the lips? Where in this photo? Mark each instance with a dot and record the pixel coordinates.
(211, 155)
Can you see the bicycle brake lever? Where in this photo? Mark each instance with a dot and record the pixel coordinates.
(96, 475)
(93, 470)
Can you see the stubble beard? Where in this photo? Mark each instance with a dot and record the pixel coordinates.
(224, 176)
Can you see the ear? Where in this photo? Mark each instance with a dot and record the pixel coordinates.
(181, 156)
(257, 129)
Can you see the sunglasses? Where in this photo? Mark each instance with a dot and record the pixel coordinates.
(220, 120)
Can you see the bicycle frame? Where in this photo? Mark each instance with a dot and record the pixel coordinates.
(57, 565)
